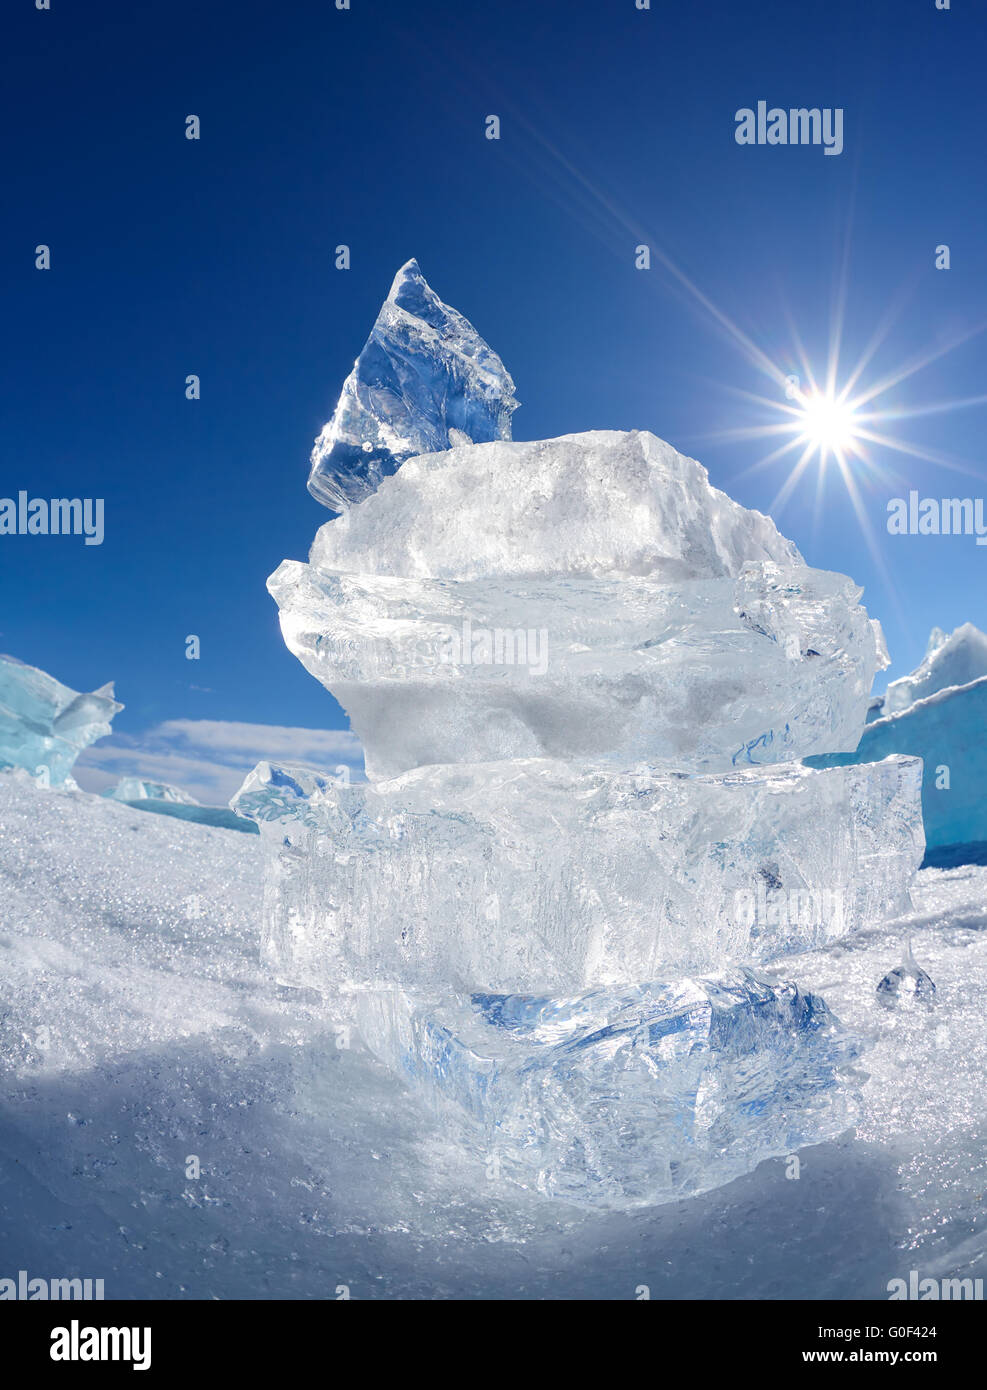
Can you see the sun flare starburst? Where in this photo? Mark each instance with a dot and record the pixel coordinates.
(825, 421)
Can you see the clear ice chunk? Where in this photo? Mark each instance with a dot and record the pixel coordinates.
(908, 981)
(552, 877)
(620, 1098)
(44, 725)
(710, 675)
(620, 606)
(603, 503)
(424, 380)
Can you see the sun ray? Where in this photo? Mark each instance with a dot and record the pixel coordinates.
(740, 432)
(916, 411)
(918, 364)
(817, 509)
(791, 482)
(878, 337)
(838, 318)
(870, 538)
(773, 457)
(902, 446)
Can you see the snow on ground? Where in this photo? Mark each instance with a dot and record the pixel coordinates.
(138, 1028)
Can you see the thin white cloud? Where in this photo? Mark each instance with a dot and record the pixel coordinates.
(209, 758)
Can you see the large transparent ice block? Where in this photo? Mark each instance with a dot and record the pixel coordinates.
(618, 1098)
(596, 504)
(583, 678)
(583, 597)
(707, 675)
(544, 876)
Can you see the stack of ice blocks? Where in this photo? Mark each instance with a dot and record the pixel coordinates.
(584, 680)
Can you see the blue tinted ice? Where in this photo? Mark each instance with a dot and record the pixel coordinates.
(44, 725)
(616, 1098)
(950, 660)
(424, 380)
(140, 789)
(165, 800)
(938, 713)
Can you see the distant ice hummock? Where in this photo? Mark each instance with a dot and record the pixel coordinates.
(141, 789)
(424, 380)
(938, 714)
(45, 725)
(951, 659)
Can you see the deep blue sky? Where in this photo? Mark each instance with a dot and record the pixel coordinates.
(366, 127)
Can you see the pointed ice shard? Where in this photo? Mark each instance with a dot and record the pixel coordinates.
(44, 725)
(424, 380)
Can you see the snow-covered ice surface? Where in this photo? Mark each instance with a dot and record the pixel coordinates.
(137, 1027)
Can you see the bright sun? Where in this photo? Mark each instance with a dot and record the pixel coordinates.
(826, 422)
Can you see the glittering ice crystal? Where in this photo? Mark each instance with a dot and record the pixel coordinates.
(624, 1097)
(44, 725)
(424, 378)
